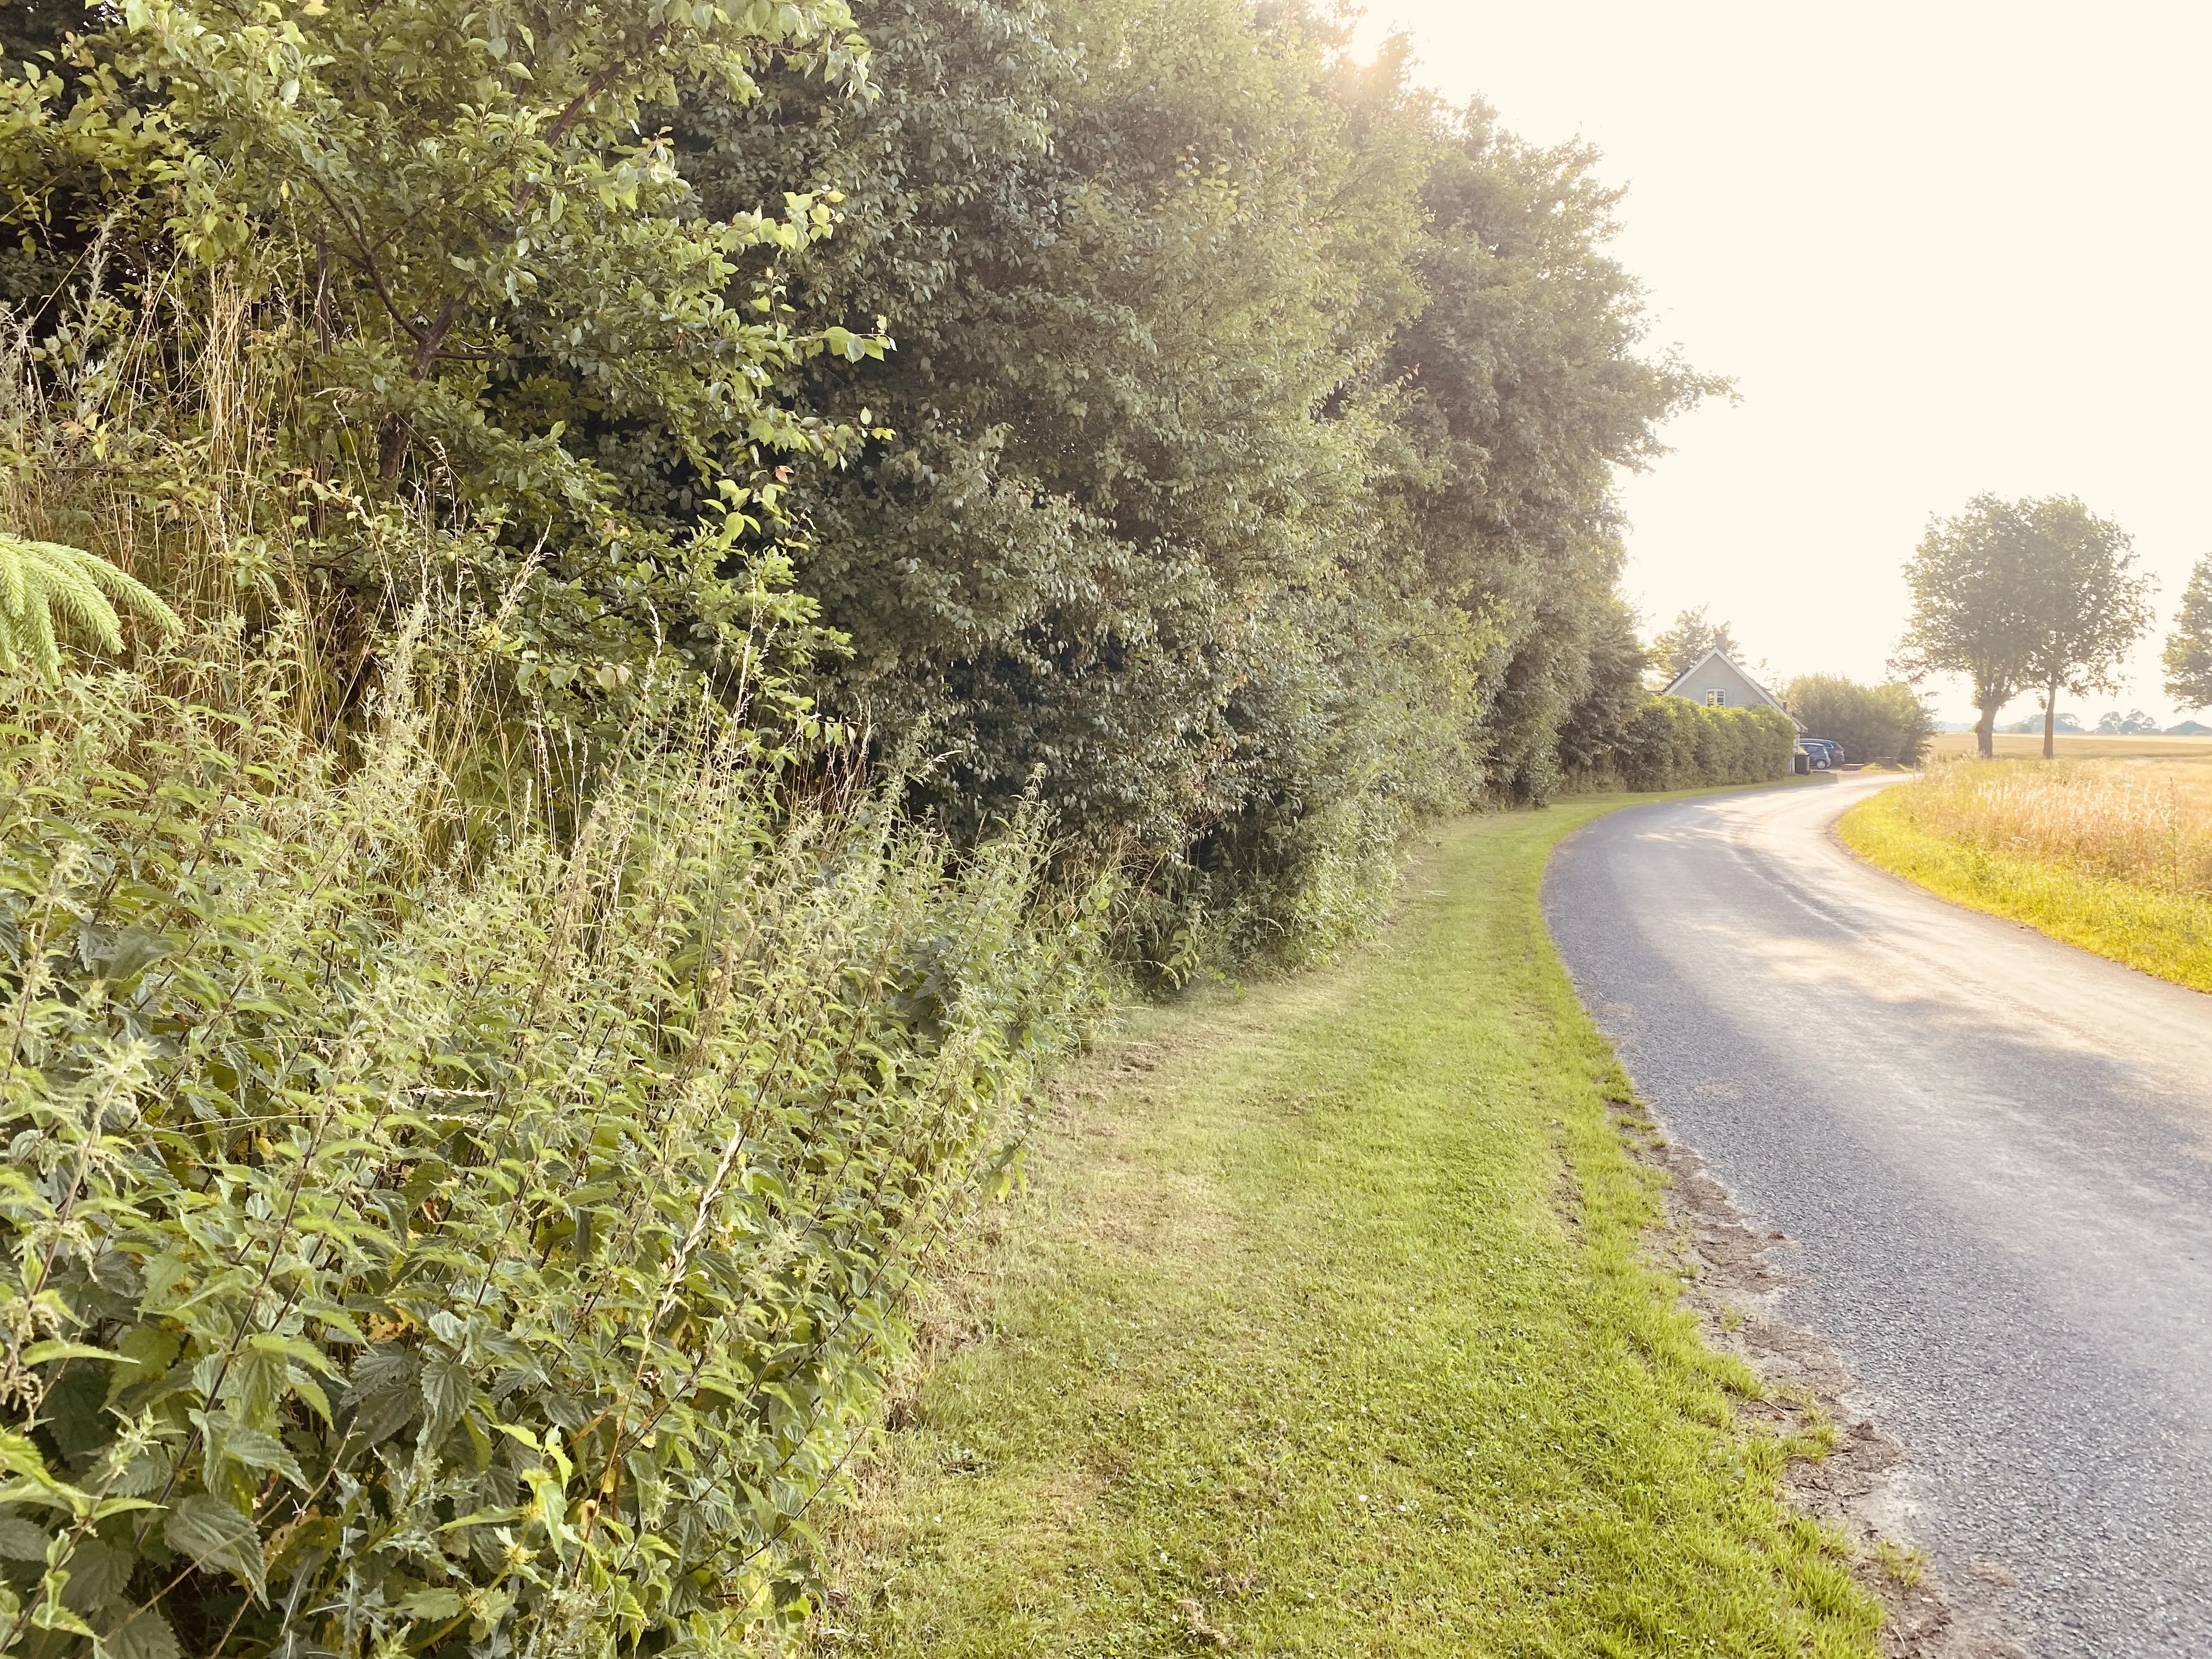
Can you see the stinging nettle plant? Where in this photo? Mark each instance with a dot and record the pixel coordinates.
(494, 1255)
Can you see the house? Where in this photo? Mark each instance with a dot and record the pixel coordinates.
(1715, 681)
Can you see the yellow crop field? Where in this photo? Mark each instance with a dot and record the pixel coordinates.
(2112, 854)
(2013, 745)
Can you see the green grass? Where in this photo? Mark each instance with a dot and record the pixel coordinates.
(1326, 1326)
(2163, 933)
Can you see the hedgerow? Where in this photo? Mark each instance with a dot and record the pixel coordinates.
(477, 1100)
(1674, 743)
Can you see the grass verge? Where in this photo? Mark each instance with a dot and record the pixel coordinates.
(1328, 1329)
(2163, 933)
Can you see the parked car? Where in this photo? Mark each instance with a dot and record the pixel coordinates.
(1822, 754)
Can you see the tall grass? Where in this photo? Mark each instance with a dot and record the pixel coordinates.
(2126, 821)
(2113, 856)
(464, 1181)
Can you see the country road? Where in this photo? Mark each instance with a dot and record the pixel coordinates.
(1994, 1156)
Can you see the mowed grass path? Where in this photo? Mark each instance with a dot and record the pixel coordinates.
(1324, 1328)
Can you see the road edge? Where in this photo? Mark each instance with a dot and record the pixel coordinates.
(1730, 1283)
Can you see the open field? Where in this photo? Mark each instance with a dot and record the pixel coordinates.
(2112, 855)
(2024, 746)
(1328, 1327)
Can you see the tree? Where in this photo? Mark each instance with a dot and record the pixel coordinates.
(1597, 726)
(478, 272)
(2189, 649)
(1873, 722)
(1525, 389)
(1251, 433)
(1681, 646)
(1973, 581)
(2088, 604)
(2134, 723)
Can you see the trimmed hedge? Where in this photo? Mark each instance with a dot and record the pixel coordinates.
(1674, 743)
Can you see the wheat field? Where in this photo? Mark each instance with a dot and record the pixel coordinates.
(2113, 854)
(2147, 821)
(2084, 745)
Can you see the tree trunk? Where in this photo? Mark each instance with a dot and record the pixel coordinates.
(2051, 723)
(1985, 733)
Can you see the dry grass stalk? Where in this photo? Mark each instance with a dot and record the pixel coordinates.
(2148, 822)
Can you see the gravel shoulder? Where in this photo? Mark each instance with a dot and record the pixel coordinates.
(1991, 1158)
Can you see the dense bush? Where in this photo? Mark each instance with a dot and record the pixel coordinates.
(1142, 406)
(1253, 426)
(1874, 723)
(475, 280)
(410, 1243)
(1675, 744)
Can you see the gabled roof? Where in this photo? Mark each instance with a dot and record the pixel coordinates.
(1729, 663)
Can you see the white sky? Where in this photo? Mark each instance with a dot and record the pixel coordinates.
(1941, 248)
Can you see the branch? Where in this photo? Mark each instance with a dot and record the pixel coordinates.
(367, 260)
(600, 81)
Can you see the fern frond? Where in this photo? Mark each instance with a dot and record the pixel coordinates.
(40, 579)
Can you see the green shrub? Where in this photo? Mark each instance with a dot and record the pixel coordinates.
(1675, 744)
(413, 1243)
(1886, 723)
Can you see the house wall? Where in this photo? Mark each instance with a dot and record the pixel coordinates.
(1736, 691)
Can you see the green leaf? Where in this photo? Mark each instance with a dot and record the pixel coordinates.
(292, 1348)
(20, 1540)
(447, 1388)
(434, 1604)
(54, 1613)
(227, 1437)
(213, 1535)
(147, 1636)
(44, 1353)
(98, 1573)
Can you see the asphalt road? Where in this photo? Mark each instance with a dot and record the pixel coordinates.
(1994, 1154)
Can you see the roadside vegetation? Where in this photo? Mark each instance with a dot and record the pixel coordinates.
(2113, 855)
(1877, 725)
(1328, 1327)
(2086, 745)
(615, 629)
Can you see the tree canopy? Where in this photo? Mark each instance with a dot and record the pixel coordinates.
(1138, 408)
(1252, 426)
(1971, 579)
(2189, 649)
(1877, 723)
(2037, 593)
(2092, 605)
(1685, 640)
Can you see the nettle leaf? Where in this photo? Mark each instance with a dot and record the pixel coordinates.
(447, 1388)
(98, 1573)
(292, 1348)
(227, 1437)
(21, 1541)
(147, 1635)
(213, 1535)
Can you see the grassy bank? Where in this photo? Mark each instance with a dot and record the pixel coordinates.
(1324, 1328)
(2112, 856)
